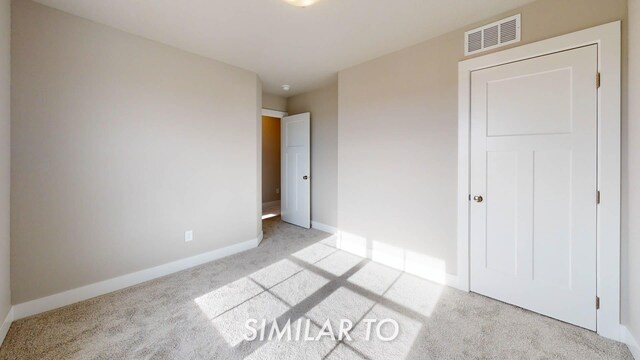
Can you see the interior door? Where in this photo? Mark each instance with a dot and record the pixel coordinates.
(533, 184)
(296, 169)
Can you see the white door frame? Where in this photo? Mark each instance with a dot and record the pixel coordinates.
(607, 37)
(274, 113)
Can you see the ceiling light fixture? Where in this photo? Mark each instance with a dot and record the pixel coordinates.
(286, 87)
(301, 3)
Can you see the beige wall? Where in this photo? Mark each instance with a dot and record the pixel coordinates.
(274, 102)
(120, 144)
(5, 157)
(631, 227)
(397, 147)
(270, 159)
(323, 106)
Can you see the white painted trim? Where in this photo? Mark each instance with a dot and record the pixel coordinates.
(607, 37)
(6, 324)
(270, 203)
(322, 227)
(274, 113)
(260, 238)
(72, 296)
(633, 344)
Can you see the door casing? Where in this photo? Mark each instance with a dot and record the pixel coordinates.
(608, 39)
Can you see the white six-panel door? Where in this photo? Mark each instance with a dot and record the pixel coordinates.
(533, 184)
(296, 169)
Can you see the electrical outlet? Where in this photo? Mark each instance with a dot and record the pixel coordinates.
(278, 191)
(188, 235)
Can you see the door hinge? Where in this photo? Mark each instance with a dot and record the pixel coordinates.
(598, 80)
(597, 303)
(598, 197)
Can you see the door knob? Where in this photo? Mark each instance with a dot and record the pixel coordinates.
(305, 177)
(478, 198)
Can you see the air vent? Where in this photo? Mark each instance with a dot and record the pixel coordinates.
(494, 35)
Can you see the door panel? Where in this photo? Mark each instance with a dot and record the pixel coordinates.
(552, 217)
(502, 227)
(533, 160)
(296, 169)
(550, 105)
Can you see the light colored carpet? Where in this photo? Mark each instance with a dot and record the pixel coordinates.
(295, 273)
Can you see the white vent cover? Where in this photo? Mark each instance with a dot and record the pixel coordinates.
(494, 35)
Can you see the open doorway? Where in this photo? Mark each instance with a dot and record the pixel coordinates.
(286, 167)
(271, 168)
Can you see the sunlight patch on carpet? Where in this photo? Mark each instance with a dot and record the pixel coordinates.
(299, 287)
(275, 273)
(227, 297)
(375, 277)
(314, 253)
(341, 304)
(338, 263)
(232, 324)
(415, 293)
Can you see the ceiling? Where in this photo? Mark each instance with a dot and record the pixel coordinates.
(284, 44)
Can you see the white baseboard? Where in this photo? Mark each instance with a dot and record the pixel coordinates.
(452, 281)
(322, 227)
(6, 324)
(69, 297)
(270, 203)
(260, 238)
(631, 342)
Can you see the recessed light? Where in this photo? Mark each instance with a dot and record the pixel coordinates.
(301, 3)
(286, 87)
